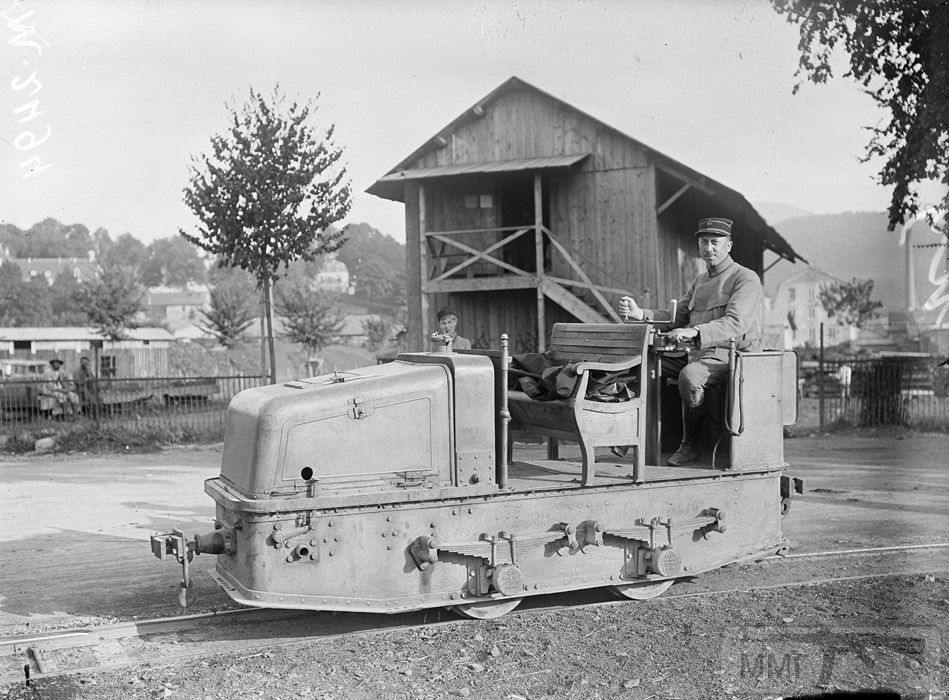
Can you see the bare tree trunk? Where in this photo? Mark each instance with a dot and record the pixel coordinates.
(263, 333)
(268, 312)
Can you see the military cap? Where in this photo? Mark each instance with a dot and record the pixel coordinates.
(445, 311)
(714, 226)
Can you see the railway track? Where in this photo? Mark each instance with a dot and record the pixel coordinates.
(171, 640)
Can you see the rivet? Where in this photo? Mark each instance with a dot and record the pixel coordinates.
(454, 511)
(289, 557)
(388, 518)
(536, 586)
(388, 546)
(470, 511)
(335, 539)
(312, 557)
(454, 596)
(384, 534)
(332, 553)
(312, 543)
(432, 525)
(326, 539)
(287, 545)
(330, 523)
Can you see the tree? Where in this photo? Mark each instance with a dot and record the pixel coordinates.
(376, 263)
(899, 52)
(850, 301)
(232, 312)
(172, 261)
(377, 330)
(112, 300)
(268, 193)
(15, 302)
(67, 309)
(310, 319)
(126, 252)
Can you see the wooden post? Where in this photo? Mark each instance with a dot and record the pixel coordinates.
(820, 379)
(539, 263)
(423, 266)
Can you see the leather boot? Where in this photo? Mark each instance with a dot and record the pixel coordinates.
(690, 449)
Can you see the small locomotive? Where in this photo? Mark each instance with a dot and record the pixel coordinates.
(396, 487)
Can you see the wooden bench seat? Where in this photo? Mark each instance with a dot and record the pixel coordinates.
(607, 347)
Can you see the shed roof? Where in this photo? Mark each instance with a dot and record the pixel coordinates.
(500, 166)
(74, 333)
(387, 188)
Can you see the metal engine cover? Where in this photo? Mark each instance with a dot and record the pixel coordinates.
(382, 425)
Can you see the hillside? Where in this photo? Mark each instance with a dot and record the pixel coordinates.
(853, 244)
(775, 212)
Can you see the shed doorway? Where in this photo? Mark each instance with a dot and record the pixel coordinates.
(516, 197)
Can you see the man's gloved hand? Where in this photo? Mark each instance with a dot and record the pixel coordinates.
(630, 310)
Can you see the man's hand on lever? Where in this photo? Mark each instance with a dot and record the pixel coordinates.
(682, 335)
(630, 310)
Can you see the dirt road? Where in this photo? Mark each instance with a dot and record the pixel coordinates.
(74, 551)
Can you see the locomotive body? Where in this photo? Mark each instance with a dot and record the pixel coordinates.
(391, 488)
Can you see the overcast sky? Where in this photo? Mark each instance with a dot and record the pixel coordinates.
(130, 90)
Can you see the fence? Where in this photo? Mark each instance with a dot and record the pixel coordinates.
(910, 390)
(192, 404)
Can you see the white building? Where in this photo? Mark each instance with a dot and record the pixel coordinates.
(793, 312)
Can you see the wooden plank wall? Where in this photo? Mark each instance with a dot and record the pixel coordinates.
(483, 316)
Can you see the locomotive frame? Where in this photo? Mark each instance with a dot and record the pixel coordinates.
(393, 487)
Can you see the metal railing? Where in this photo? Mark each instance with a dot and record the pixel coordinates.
(889, 390)
(191, 404)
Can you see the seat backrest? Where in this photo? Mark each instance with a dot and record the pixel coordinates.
(597, 342)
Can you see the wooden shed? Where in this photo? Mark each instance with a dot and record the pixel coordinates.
(525, 211)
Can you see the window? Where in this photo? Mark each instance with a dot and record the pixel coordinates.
(486, 201)
(471, 201)
(107, 366)
(811, 293)
(791, 291)
(811, 313)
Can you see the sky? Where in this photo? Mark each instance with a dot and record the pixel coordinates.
(128, 92)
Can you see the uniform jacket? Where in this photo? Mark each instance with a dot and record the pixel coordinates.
(720, 307)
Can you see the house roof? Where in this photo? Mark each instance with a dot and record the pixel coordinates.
(387, 189)
(77, 333)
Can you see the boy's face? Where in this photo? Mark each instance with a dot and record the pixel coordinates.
(447, 324)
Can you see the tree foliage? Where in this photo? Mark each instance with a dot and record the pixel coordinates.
(112, 300)
(377, 330)
(376, 263)
(310, 318)
(899, 52)
(231, 313)
(850, 301)
(125, 251)
(172, 262)
(268, 192)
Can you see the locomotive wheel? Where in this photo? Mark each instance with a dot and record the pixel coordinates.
(643, 591)
(488, 609)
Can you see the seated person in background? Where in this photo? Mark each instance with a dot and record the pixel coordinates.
(58, 386)
(448, 326)
(724, 302)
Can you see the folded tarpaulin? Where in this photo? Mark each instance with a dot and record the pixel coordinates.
(535, 375)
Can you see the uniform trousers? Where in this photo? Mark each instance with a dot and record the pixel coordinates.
(694, 376)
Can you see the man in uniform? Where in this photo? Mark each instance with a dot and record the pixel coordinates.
(724, 302)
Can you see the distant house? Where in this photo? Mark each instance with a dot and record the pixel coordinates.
(794, 313)
(333, 276)
(177, 308)
(143, 353)
(50, 269)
